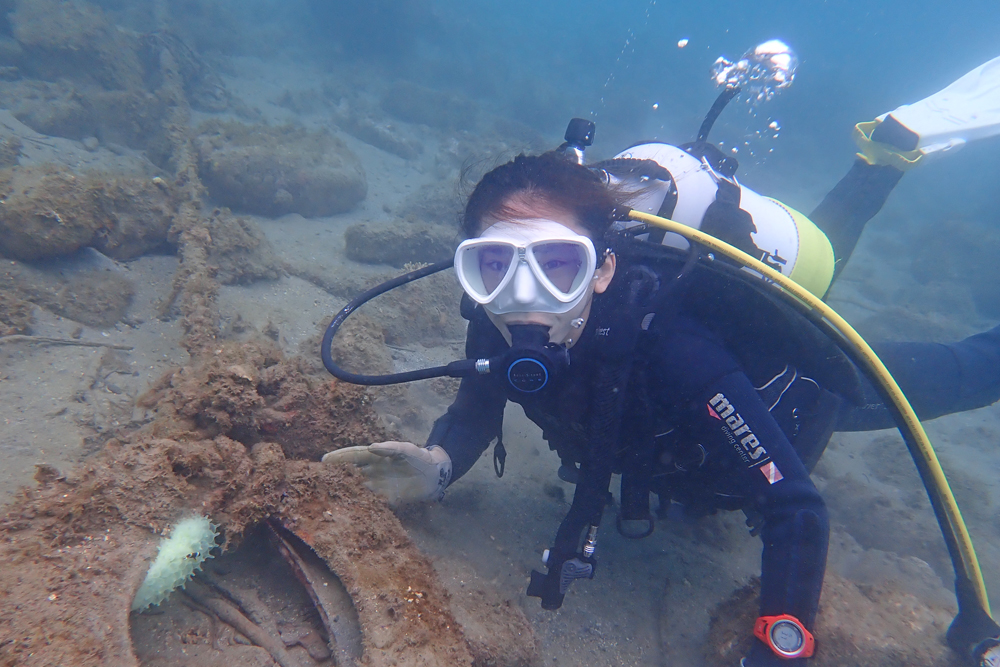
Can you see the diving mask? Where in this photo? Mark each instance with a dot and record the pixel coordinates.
(527, 266)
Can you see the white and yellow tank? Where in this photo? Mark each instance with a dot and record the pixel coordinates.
(792, 243)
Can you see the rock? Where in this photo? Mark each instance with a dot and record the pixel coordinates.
(357, 118)
(53, 108)
(203, 86)
(11, 52)
(15, 313)
(90, 143)
(250, 391)
(76, 41)
(425, 311)
(439, 205)
(273, 171)
(133, 118)
(384, 136)
(85, 287)
(399, 243)
(874, 626)
(10, 151)
(359, 346)
(414, 103)
(239, 250)
(49, 210)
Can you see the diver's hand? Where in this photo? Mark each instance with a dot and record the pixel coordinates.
(401, 471)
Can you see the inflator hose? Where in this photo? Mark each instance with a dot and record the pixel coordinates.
(454, 369)
(713, 114)
(953, 528)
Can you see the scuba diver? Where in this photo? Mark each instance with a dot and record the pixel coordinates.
(669, 370)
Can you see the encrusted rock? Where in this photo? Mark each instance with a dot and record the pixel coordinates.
(399, 243)
(15, 313)
(69, 39)
(414, 103)
(85, 287)
(239, 250)
(49, 210)
(277, 170)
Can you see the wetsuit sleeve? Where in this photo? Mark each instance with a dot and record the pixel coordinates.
(938, 379)
(472, 422)
(475, 419)
(737, 430)
(751, 456)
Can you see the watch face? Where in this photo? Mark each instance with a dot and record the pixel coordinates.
(786, 637)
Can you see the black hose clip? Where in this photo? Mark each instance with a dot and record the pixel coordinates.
(499, 457)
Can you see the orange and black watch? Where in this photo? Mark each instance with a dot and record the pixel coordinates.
(785, 635)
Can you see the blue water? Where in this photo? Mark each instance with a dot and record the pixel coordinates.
(541, 63)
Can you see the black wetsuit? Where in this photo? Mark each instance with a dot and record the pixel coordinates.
(723, 439)
(722, 432)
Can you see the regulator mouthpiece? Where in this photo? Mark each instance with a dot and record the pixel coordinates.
(533, 360)
(762, 72)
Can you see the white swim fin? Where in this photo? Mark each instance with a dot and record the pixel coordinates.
(966, 110)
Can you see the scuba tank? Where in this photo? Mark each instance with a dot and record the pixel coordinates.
(695, 188)
(695, 184)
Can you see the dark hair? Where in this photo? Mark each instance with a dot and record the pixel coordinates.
(550, 178)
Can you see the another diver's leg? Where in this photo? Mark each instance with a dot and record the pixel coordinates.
(938, 379)
(844, 212)
(966, 110)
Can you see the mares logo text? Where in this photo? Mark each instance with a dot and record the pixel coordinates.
(737, 431)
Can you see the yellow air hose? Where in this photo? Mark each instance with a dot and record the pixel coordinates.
(877, 372)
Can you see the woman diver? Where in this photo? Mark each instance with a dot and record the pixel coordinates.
(686, 382)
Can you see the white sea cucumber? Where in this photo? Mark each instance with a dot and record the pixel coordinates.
(190, 543)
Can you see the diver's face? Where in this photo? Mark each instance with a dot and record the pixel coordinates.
(564, 328)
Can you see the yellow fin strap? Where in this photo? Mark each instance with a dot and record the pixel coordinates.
(878, 153)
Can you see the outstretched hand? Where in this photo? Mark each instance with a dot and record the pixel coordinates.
(401, 471)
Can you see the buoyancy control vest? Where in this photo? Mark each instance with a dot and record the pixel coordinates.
(657, 281)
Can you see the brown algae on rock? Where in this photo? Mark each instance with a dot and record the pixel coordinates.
(273, 171)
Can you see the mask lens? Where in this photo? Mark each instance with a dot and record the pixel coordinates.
(562, 263)
(494, 262)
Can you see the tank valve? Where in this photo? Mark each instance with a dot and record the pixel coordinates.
(579, 135)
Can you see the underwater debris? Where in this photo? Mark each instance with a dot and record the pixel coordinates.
(328, 594)
(273, 171)
(76, 544)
